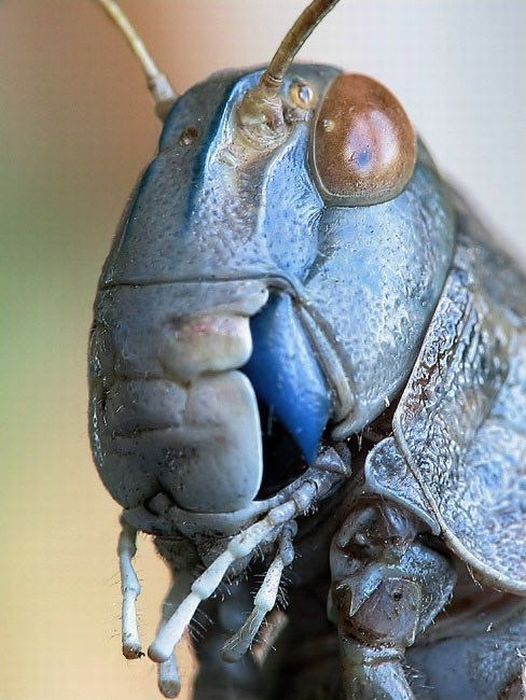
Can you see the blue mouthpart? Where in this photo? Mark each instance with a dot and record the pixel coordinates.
(286, 375)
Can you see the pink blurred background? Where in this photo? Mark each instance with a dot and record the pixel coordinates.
(76, 128)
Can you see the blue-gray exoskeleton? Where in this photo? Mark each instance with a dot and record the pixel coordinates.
(308, 364)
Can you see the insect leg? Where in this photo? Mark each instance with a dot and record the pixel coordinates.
(169, 681)
(131, 588)
(217, 679)
(265, 600)
(205, 586)
(387, 588)
(242, 545)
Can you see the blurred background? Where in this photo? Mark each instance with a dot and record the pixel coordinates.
(76, 126)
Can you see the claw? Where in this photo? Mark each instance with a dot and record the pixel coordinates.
(359, 587)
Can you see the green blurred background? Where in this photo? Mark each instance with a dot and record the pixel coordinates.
(76, 127)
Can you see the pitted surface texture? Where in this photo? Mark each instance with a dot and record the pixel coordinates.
(461, 425)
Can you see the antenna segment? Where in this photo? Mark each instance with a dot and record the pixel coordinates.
(158, 83)
(297, 35)
(260, 114)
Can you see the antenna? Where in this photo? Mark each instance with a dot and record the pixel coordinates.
(158, 84)
(297, 35)
(261, 112)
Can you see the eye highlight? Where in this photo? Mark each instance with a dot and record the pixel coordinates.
(364, 146)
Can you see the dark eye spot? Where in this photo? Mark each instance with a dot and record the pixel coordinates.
(189, 136)
(363, 159)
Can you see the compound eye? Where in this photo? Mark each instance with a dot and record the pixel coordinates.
(364, 144)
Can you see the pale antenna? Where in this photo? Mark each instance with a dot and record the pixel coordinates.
(158, 84)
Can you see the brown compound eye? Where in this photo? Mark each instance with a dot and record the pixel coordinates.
(364, 144)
